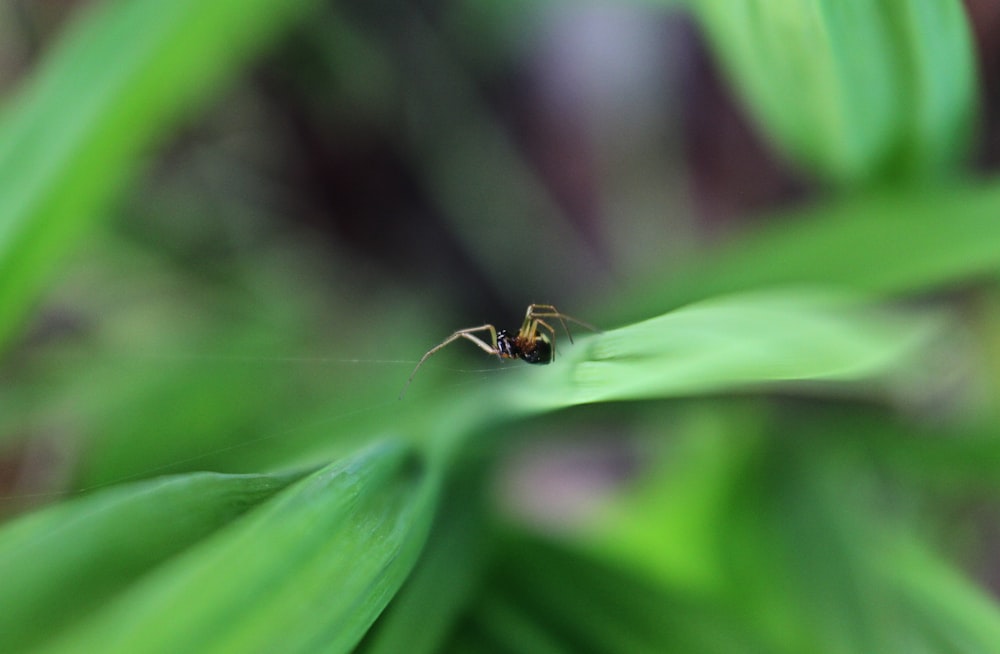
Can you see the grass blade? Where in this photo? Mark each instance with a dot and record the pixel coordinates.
(99, 544)
(309, 571)
(421, 616)
(950, 609)
(886, 243)
(736, 343)
(609, 608)
(935, 51)
(852, 89)
(122, 76)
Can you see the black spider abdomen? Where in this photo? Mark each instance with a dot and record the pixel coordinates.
(540, 352)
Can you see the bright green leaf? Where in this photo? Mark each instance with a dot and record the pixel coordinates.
(422, 615)
(893, 243)
(310, 570)
(851, 88)
(782, 337)
(98, 544)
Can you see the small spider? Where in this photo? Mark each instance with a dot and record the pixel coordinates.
(529, 343)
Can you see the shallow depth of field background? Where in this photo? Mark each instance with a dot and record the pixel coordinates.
(227, 233)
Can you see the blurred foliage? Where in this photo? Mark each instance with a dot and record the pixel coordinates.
(228, 230)
(860, 92)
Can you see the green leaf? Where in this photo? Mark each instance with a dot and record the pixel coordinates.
(738, 342)
(799, 539)
(120, 78)
(888, 243)
(951, 610)
(936, 53)
(98, 544)
(851, 88)
(424, 612)
(571, 601)
(505, 624)
(801, 549)
(311, 569)
(665, 525)
(833, 571)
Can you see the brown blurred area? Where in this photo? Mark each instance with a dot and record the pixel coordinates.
(985, 18)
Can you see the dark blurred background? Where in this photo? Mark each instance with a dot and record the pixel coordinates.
(617, 146)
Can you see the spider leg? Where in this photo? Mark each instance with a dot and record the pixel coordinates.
(530, 324)
(538, 321)
(548, 311)
(548, 308)
(461, 333)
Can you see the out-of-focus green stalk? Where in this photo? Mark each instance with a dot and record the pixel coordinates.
(125, 73)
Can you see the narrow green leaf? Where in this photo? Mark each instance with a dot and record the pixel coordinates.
(309, 571)
(807, 549)
(847, 87)
(813, 557)
(893, 243)
(935, 49)
(666, 524)
(801, 549)
(503, 622)
(950, 609)
(818, 76)
(98, 544)
(421, 616)
(124, 73)
(735, 343)
(586, 604)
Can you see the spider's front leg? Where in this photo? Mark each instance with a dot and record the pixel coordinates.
(467, 334)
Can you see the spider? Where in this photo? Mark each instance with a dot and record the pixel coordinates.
(529, 344)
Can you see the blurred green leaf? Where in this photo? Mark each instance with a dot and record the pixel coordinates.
(935, 49)
(816, 553)
(885, 243)
(799, 538)
(668, 521)
(503, 625)
(129, 71)
(575, 602)
(311, 569)
(952, 613)
(853, 90)
(99, 544)
(423, 613)
(801, 550)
